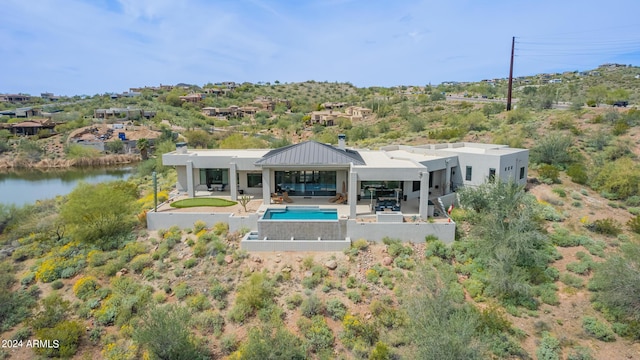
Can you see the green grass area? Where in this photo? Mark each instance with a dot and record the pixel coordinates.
(193, 202)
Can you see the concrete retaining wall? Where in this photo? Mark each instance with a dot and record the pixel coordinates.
(295, 245)
(185, 220)
(412, 232)
(299, 229)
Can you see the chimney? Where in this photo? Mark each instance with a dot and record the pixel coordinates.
(341, 140)
(181, 148)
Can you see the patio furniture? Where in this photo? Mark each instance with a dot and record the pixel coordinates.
(286, 198)
(275, 199)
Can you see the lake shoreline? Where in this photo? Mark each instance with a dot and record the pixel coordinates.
(9, 164)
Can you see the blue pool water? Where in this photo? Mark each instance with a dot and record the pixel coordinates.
(291, 213)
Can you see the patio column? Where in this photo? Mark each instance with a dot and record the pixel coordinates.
(233, 181)
(447, 185)
(424, 194)
(353, 193)
(266, 186)
(191, 188)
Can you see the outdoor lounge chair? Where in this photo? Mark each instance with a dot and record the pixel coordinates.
(286, 198)
(275, 199)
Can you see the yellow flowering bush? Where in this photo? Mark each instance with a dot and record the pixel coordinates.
(85, 287)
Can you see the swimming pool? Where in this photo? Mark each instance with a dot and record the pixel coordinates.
(300, 213)
(300, 223)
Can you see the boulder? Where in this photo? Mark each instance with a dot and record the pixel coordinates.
(331, 264)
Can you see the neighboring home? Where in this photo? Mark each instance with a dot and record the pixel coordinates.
(230, 111)
(324, 117)
(315, 170)
(358, 112)
(333, 105)
(14, 98)
(131, 94)
(555, 81)
(121, 113)
(217, 91)
(269, 103)
(33, 127)
(49, 96)
(192, 98)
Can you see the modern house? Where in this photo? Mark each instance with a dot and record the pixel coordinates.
(321, 171)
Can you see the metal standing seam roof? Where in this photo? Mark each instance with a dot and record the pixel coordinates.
(310, 153)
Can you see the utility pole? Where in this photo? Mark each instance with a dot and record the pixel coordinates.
(513, 43)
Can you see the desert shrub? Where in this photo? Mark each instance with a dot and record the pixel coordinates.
(598, 329)
(199, 302)
(319, 336)
(140, 262)
(395, 247)
(606, 226)
(97, 258)
(474, 287)
(571, 280)
(548, 293)
(312, 306)
(209, 321)
(165, 333)
(28, 279)
(549, 173)
(85, 287)
(268, 343)
(189, 263)
(439, 249)
(355, 296)
(580, 353)
(253, 294)
(357, 329)
(549, 348)
(580, 267)
(198, 226)
(578, 173)
(405, 262)
(553, 150)
(182, 290)
(66, 333)
(336, 309)
(54, 310)
(634, 224)
(294, 301)
(220, 228)
(15, 306)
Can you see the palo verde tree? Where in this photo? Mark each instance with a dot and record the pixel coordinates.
(508, 240)
(100, 213)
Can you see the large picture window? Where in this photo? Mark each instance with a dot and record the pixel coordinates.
(306, 183)
(214, 176)
(254, 180)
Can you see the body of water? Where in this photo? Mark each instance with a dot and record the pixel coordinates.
(25, 187)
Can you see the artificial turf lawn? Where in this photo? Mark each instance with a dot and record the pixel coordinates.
(193, 202)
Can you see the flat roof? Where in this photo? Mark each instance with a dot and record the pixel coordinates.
(381, 159)
(240, 153)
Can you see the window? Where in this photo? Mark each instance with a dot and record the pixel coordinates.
(492, 175)
(467, 176)
(416, 186)
(522, 173)
(254, 180)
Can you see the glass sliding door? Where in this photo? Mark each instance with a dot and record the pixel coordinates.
(306, 183)
(214, 177)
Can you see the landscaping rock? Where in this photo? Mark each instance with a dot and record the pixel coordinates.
(387, 260)
(228, 259)
(331, 264)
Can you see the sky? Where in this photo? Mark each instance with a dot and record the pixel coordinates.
(88, 47)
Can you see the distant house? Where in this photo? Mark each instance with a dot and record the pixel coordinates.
(121, 113)
(334, 105)
(26, 112)
(555, 81)
(14, 98)
(358, 112)
(192, 98)
(33, 127)
(324, 117)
